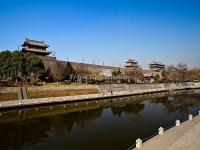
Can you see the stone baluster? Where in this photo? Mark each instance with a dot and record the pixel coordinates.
(138, 143)
(178, 123)
(161, 131)
(190, 117)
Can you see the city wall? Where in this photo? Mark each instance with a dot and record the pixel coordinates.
(50, 63)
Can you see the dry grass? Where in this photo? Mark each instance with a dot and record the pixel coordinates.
(8, 96)
(58, 93)
(57, 84)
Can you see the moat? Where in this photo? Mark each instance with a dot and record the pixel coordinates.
(105, 124)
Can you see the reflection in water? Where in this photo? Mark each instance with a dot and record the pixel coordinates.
(132, 108)
(31, 131)
(106, 124)
(17, 134)
(180, 103)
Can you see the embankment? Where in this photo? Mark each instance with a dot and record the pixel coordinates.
(106, 91)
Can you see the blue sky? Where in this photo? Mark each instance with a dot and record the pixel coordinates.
(109, 31)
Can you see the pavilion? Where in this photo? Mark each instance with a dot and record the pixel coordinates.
(36, 47)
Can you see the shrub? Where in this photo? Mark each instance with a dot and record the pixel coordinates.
(34, 82)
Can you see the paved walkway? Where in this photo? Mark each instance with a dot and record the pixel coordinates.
(185, 137)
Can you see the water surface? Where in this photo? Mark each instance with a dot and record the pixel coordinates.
(107, 124)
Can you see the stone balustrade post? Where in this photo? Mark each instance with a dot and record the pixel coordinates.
(199, 112)
(190, 117)
(138, 143)
(161, 131)
(178, 123)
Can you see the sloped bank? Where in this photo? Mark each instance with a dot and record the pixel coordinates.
(33, 92)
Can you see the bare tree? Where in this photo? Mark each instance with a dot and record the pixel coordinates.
(171, 73)
(58, 70)
(82, 71)
(134, 74)
(181, 70)
(177, 73)
(193, 74)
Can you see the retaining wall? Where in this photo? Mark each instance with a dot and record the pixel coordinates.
(105, 88)
(47, 88)
(67, 87)
(9, 89)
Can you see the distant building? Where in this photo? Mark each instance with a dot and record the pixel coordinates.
(148, 76)
(156, 67)
(131, 63)
(36, 47)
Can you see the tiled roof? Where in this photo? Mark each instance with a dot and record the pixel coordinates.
(131, 61)
(156, 63)
(34, 42)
